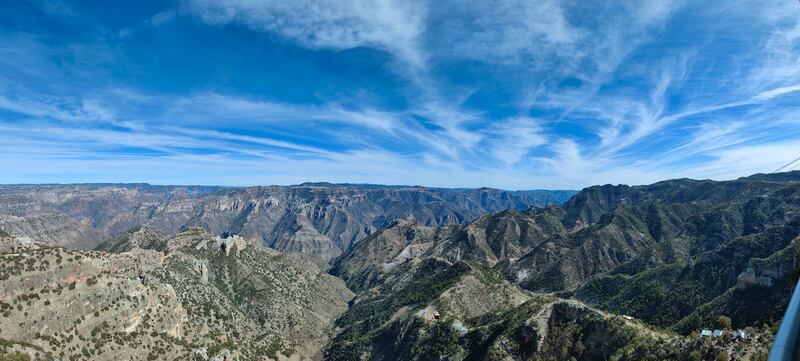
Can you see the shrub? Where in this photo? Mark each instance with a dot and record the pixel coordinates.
(724, 322)
(15, 356)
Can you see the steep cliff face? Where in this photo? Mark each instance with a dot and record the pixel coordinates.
(82, 216)
(56, 229)
(318, 219)
(199, 297)
(327, 220)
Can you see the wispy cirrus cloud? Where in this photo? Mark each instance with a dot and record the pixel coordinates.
(503, 32)
(390, 25)
(511, 94)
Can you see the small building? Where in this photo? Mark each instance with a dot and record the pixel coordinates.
(742, 334)
(717, 333)
(627, 317)
(436, 315)
(705, 332)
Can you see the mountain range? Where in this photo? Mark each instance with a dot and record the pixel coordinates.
(616, 272)
(319, 219)
(677, 255)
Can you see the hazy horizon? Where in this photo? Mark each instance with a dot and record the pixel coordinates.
(308, 183)
(322, 183)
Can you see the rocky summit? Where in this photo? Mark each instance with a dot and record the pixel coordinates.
(677, 270)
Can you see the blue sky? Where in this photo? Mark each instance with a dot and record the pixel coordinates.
(507, 94)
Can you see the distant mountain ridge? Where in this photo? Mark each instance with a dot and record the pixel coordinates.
(320, 219)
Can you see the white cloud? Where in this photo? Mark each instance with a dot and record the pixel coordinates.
(162, 17)
(772, 93)
(510, 141)
(390, 25)
(507, 31)
(775, 31)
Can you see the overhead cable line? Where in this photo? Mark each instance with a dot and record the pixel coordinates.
(786, 165)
